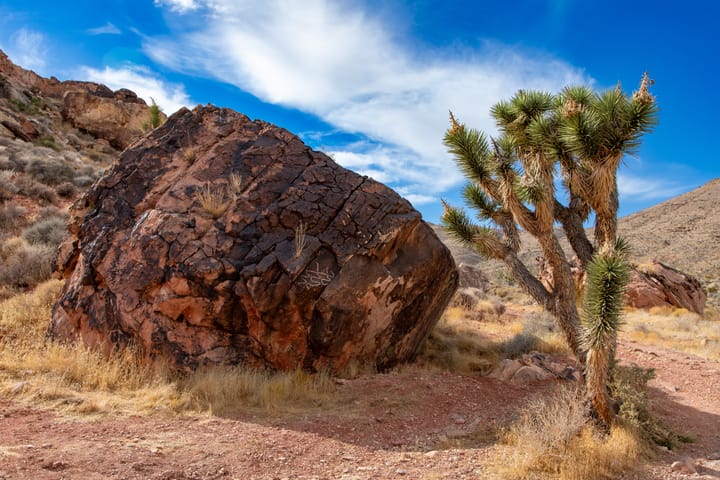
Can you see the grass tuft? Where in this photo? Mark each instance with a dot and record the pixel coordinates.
(212, 199)
(552, 440)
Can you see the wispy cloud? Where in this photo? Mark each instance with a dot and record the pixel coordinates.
(141, 80)
(178, 5)
(28, 49)
(633, 187)
(107, 29)
(337, 61)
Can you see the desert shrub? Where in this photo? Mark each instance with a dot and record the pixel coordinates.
(13, 162)
(552, 439)
(50, 231)
(11, 215)
(83, 181)
(50, 172)
(629, 387)
(5, 163)
(48, 141)
(50, 211)
(25, 265)
(33, 189)
(7, 185)
(33, 106)
(66, 190)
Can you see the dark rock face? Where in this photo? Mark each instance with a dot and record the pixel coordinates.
(661, 285)
(146, 263)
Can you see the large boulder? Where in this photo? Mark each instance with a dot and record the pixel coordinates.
(301, 264)
(658, 285)
(120, 119)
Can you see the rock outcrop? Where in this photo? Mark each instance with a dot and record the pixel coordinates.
(658, 285)
(116, 117)
(119, 119)
(298, 263)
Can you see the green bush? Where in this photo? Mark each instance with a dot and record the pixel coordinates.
(628, 386)
(49, 142)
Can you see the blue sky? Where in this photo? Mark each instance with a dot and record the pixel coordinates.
(371, 82)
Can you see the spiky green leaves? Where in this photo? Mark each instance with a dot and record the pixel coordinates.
(460, 227)
(471, 151)
(598, 126)
(475, 197)
(607, 276)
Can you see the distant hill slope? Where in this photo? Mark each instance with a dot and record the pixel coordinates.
(683, 232)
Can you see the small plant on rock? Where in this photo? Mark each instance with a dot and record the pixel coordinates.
(212, 199)
(300, 238)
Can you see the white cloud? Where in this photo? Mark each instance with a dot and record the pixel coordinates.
(28, 49)
(107, 29)
(338, 62)
(148, 86)
(180, 6)
(647, 188)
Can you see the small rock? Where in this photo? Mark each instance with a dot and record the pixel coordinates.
(685, 465)
(54, 466)
(530, 373)
(459, 419)
(431, 454)
(456, 433)
(400, 471)
(505, 369)
(714, 456)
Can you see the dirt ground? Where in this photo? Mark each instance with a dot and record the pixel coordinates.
(411, 424)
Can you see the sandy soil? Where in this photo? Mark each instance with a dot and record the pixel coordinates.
(413, 424)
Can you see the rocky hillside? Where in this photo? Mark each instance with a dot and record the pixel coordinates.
(683, 232)
(56, 137)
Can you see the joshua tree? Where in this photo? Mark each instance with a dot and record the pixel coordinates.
(155, 117)
(582, 136)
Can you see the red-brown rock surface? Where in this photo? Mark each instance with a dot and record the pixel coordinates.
(659, 285)
(147, 264)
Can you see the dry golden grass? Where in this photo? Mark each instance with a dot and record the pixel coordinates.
(190, 154)
(234, 185)
(78, 380)
(466, 341)
(213, 199)
(458, 345)
(552, 440)
(673, 328)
